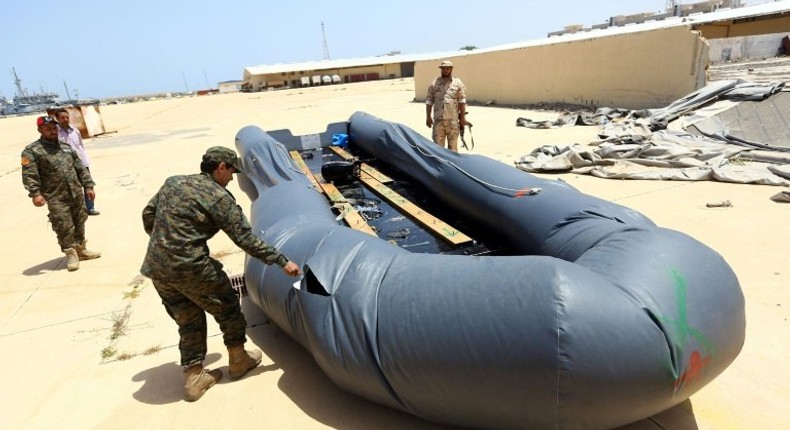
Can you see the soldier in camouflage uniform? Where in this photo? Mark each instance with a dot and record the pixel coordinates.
(184, 214)
(447, 98)
(53, 174)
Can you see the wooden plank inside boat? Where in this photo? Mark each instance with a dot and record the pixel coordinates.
(371, 177)
(364, 167)
(303, 167)
(351, 216)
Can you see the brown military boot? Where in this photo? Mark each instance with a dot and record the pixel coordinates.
(242, 361)
(198, 380)
(84, 254)
(72, 260)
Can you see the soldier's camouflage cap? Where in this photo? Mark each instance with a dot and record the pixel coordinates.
(221, 154)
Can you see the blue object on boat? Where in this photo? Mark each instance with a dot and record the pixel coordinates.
(340, 139)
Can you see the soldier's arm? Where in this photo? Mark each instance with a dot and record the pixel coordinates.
(229, 217)
(149, 214)
(461, 104)
(429, 106)
(462, 114)
(429, 95)
(30, 177)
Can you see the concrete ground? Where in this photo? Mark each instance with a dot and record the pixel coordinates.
(94, 349)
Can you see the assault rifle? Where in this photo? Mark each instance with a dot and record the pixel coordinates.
(471, 146)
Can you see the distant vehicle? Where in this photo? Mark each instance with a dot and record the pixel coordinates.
(326, 80)
(305, 81)
(316, 80)
(335, 79)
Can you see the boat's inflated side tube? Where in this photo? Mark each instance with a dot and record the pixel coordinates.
(606, 319)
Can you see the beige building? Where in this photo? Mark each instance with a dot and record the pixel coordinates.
(628, 68)
(328, 72)
(636, 66)
(777, 20)
(229, 86)
(647, 63)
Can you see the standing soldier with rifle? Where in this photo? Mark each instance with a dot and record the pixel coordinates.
(447, 99)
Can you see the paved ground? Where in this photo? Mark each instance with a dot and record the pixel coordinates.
(766, 70)
(94, 349)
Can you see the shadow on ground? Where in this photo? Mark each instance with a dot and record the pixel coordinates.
(681, 417)
(48, 266)
(165, 384)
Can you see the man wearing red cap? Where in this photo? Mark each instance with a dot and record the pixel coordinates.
(53, 174)
(447, 99)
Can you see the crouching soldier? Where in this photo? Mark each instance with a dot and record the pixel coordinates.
(183, 215)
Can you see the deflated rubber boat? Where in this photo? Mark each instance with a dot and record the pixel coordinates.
(602, 319)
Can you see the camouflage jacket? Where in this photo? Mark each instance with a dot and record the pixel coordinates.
(183, 215)
(54, 170)
(445, 95)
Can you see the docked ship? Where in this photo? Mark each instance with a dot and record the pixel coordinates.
(25, 102)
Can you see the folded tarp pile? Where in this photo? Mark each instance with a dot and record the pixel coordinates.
(721, 132)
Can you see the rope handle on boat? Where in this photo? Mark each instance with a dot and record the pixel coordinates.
(513, 192)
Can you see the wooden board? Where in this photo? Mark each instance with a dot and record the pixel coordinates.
(303, 167)
(350, 215)
(377, 180)
(363, 167)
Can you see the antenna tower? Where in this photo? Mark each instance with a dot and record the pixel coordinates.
(67, 89)
(20, 91)
(326, 47)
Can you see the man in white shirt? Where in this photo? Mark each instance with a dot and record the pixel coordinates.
(71, 136)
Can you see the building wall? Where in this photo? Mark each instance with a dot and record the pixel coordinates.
(634, 70)
(745, 47)
(229, 87)
(746, 27)
(348, 74)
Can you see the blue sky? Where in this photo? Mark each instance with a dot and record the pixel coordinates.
(108, 48)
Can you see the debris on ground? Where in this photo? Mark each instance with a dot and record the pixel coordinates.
(721, 204)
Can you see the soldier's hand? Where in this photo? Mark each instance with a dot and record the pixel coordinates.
(90, 193)
(429, 122)
(39, 201)
(291, 269)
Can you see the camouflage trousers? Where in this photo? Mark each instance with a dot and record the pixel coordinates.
(188, 302)
(446, 130)
(68, 221)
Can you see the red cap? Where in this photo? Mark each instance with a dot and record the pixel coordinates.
(42, 120)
